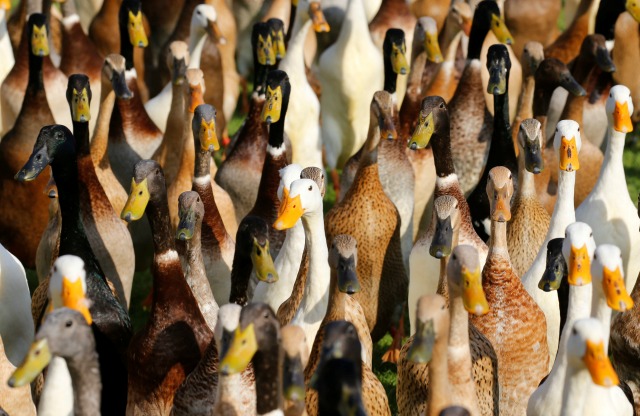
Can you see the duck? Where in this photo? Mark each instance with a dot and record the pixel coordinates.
(65, 333)
(302, 124)
(239, 174)
(49, 244)
(434, 113)
(55, 146)
(343, 259)
(609, 208)
(6, 50)
(438, 10)
(274, 113)
(18, 237)
(188, 236)
(531, 57)
(384, 284)
(501, 150)
(626, 56)
(567, 144)
(531, 24)
(588, 365)
(567, 46)
(521, 349)
(527, 230)
(296, 357)
(469, 352)
(218, 247)
(346, 91)
(340, 379)
(132, 134)
(101, 27)
(16, 331)
(260, 328)
(163, 17)
(173, 308)
(470, 118)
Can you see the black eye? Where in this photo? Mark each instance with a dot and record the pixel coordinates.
(591, 235)
(157, 171)
(68, 324)
(55, 269)
(310, 187)
(441, 105)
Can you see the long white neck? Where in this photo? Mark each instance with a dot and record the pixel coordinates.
(576, 384)
(602, 312)
(564, 212)
(612, 170)
(196, 45)
(355, 23)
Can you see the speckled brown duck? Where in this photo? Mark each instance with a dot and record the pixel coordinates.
(370, 217)
(176, 335)
(515, 325)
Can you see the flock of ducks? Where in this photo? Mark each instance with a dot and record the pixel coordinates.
(475, 153)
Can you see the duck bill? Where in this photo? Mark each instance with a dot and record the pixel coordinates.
(399, 59)
(569, 155)
(196, 97)
(423, 132)
(279, 47)
(432, 47)
(293, 379)
(579, 266)
(186, 225)
(272, 109)
(603, 60)
(208, 136)
(473, 296)
(265, 52)
(5, 4)
(568, 82)
(599, 365)
(424, 339)
(38, 357)
(215, 33)
(497, 78)
(137, 35)
(262, 262)
(38, 160)
(500, 209)
(347, 277)
(533, 161)
(633, 7)
(290, 212)
(137, 202)
(179, 70)
(39, 41)
(73, 297)
(499, 28)
(553, 274)
(120, 87)
(240, 352)
(442, 242)
(615, 291)
(317, 18)
(621, 118)
(387, 127)
(80, 106)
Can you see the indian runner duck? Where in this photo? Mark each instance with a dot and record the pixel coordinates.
(155, 370)
(608, 208)
(296, 357)
(567, 144)
(434, 127)
(381, 267)
(527, 230)
(470, 118)
(56, 146)
(532, 56)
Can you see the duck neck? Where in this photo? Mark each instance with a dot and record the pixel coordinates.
(267, 366)
(212, 224)
(196, 45)
(498, 242)
(36, 82)
(158, 213)
(438, 396)
(276, 130)
(612, 170)
(443, 283)
(100, 140)
(390, 77)
(354, 24)
(526, 180)
(576, 386)
(442, 158)
(563, 211)
(260, 73)
(479, 29)
(240, 275)
(602, 312)
(126, 48)
(81, 133)
(316, 291)
(370, 147)
(525, 107)
(501, 152)
(459, 332)
(336, 310)
(86, 382)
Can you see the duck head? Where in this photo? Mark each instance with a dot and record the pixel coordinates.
(552, 73)
(64, 333)
(177, 61)
(258, 330)
(465, 277)
(195, 88)
(288, 174)
(205, 20)
(425, 37)
(500, 191)
(68, 285)
(578, 248)
(498, 65)
(318, 20)
(445, 221)
(304, 198)
(607, 275)
(79, 97)
(131, 18)
(532, 56)
(343, 259)
(567, 142)
(317, 175)
(148, 182)
(487, 17)
(277, 96)
(619, 107)
(203, 126)
(262, 43)
(191, 212)
(252, 240)
(226, 325)
(38, 34)
(432, 317)
(395, 51)
(530, 143)
(433, 119)
(277, 35)
(113, 74)
(461, 15)
(296, 357)
(556, 269)
(55, 144)
(586, 349)
(594, 47)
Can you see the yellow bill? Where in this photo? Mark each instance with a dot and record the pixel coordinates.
(137, 35)
(290, 212)
(500, 30)
(265, 51)
(272, 109)
(208, 136)
(579, 266)
(39, 41)
(279, 46)
(137, 201)
(599, 366)
(399, 59)
(473, 296)
(423, 131)
(633, 7)
(80, 106)
(432, 47)
(36, 360)
(263, 263)
(5, 4)
(615, 291)
(622, 118)
(569, 155)
(317, 17)
(241, 351)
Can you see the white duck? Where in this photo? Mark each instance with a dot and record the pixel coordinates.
(577, 248)
(302, 124)
(305, 201)
(16, 330)
(609, 208)
(204, 15)
(350, 71)
(6, 51)
(567, 143)
(588, 365)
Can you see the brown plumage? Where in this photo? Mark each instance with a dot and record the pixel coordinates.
(50, 241)
(531, 22)
(392, 14)
(515, 325)
(102, 25)
(627, 57)
(530, 58)
(567, 46)
(436, 9)
(368, 215)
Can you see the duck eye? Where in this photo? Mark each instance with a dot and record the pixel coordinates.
(310, 187)
(68, 324)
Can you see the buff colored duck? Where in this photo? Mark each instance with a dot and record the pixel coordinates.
(530, 23)
(381, 264)
(627, 56)
(567, 46)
